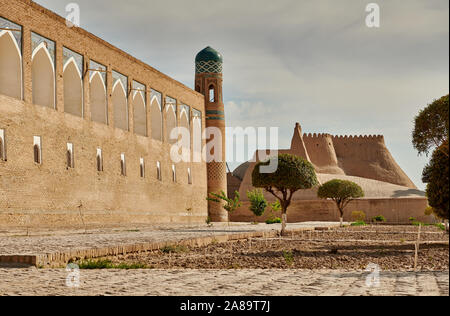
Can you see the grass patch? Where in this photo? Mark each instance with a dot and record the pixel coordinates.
(107, 264)
(274, 221)
(359, 223)
(174, 249)
(438, 225)
(379, 219)
(288, 257)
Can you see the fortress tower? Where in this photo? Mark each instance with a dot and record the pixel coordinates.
(208, 81)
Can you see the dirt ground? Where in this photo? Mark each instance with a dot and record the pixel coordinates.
(392, 248)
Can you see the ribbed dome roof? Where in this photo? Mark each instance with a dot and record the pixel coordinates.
(209, 54)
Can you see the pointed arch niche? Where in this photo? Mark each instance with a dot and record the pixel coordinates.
(171, 118)
(73, 83)
(97, 93)
(119, 100)
(43, 70)
(197, 135)
(185, 114)
(139, 109)
(156, 114)
(10, 65)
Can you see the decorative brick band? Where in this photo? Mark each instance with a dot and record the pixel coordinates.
(215, 118)
(215, 112)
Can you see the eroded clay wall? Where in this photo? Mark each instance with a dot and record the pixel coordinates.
(368, 157)
(394, 210)
(321, 151)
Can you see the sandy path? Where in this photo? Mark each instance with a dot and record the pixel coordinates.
(220, 282)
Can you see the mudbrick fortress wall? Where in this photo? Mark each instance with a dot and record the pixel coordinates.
(362, 159)
(360, 156)
(84, 130)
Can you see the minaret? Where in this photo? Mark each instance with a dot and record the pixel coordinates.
(208, 81)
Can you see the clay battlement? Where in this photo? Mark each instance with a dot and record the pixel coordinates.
(315, 135)
(361, 137)
(342, 137)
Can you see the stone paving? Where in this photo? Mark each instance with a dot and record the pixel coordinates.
(18, 243)
(34, 281)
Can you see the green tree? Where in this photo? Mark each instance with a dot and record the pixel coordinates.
(258, 202)
(341, 192)
(230, 205)
(436, 176)
(293, 173)
(431, 127)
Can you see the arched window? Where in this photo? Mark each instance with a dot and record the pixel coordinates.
(184, 123)
(212, 93)
(197, 141)
(97, 93)
(97, 97)
(119, 100)
(156, 114)
(10, 66)
(171, 119)
(140, 114)
(73, 83)
(43, 71)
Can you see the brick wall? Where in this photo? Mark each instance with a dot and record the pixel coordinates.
(50, 194)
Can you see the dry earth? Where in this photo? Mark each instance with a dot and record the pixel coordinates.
(350, 249)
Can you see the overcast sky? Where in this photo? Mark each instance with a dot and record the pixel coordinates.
(309, 61)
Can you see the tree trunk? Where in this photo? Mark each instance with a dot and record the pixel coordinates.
(283, 223)
(342, 217)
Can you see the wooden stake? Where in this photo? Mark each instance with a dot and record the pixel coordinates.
(416, 257)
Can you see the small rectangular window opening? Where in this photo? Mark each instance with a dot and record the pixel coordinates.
(70, 156)
(37, 149)
(2, 145)
(123, 166)
(174, 173)
(99, 160)
(158, 171)
(142, 167)
(189, 176)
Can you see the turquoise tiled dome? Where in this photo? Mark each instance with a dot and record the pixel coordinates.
(209, 54)
(208, 61)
